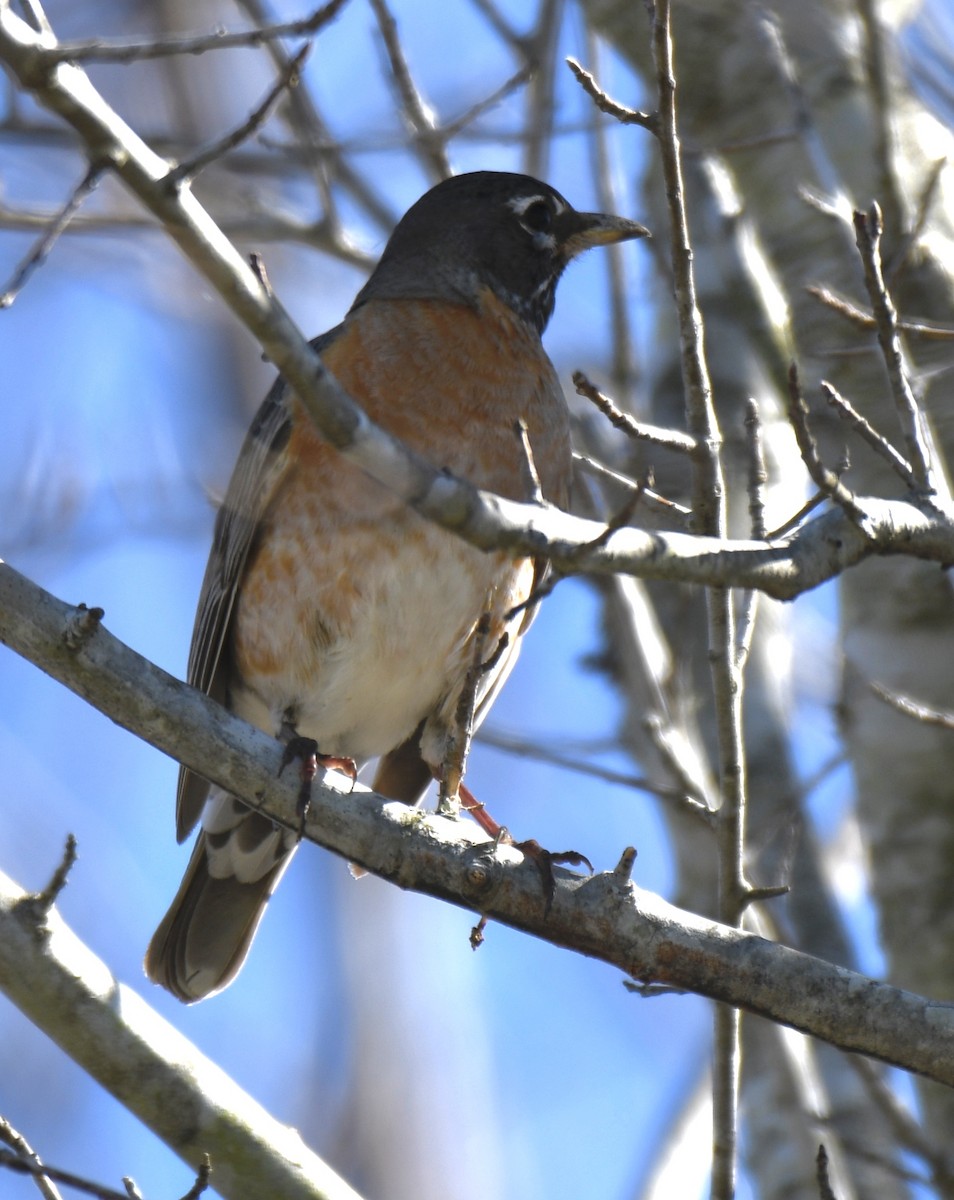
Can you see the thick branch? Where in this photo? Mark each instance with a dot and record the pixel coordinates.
(148, 1065)
(604, 917)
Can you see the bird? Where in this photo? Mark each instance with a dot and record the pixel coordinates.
(329, 609)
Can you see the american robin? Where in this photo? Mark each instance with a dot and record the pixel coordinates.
(329, 609)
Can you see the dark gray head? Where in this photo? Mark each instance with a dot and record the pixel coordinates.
(510, 233)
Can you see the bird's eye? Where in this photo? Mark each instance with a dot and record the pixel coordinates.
(538, 217)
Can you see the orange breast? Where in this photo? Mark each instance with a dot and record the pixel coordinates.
(355, 611)
(451, 382)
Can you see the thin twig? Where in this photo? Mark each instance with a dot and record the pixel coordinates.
(623, 369)
(823, 169)
(44, 244)
(710, 518)
(45, 900)
(881, 112)
(34, 12)
(18, 1143)
(627, 116)
(541, 104)
(320, 150)
(911, 238)
(868, 229)
(911, 708)
(127, 52)
(461, 732)
(670, 744)
(429, 140)
(757, 472)
(653, 499)
(904, 1125)
(525, 747)
(257, 226)
(923, 330)
(531, 473)
(39, 1170)
(747, 606)
(825, 480)
(287, 80)
(869, 434)
(458, 124)
(202, 1180)
(796, 519)
(501, 26)
(622, 517)
(825, 1191)
(671, 439)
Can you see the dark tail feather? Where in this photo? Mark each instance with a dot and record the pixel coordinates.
(203, 939)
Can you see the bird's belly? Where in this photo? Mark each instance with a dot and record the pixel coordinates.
(368, 631)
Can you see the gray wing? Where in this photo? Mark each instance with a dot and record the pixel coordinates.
(261, 465)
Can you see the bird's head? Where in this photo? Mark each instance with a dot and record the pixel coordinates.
(508, 232)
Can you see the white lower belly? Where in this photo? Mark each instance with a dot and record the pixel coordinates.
(401, 650)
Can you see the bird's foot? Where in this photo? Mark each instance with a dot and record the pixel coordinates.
(310, 758)
(545, 860)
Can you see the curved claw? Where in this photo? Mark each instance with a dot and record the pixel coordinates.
(306, 750)
(545, 860)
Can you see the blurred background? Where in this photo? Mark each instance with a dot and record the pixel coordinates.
(417, 1067)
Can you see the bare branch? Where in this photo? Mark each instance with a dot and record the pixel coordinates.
(875, 58)
(825, 480)
(653, 499)
(796, 518)
(671, 439)
(148, 1065)
(319, 149)
(524, 747)
(868, 230)
(912, 236)
(623, 370)
(44, 1176)
(428, 138)
(189, 168)
(540, 51)
(627, 116)
(501, 26)
(127, 52)
(757, 473)
(38, 254)
(52, 978)
(922, 330)
(45, 900)
(911, 708)
(26, 1159)
(457, 124)
(869, 434)
(825, 1191)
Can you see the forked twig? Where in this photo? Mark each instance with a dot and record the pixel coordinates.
(825, 480)
(869, 434)
(923, 330)
(868, 230)
(189, 168)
